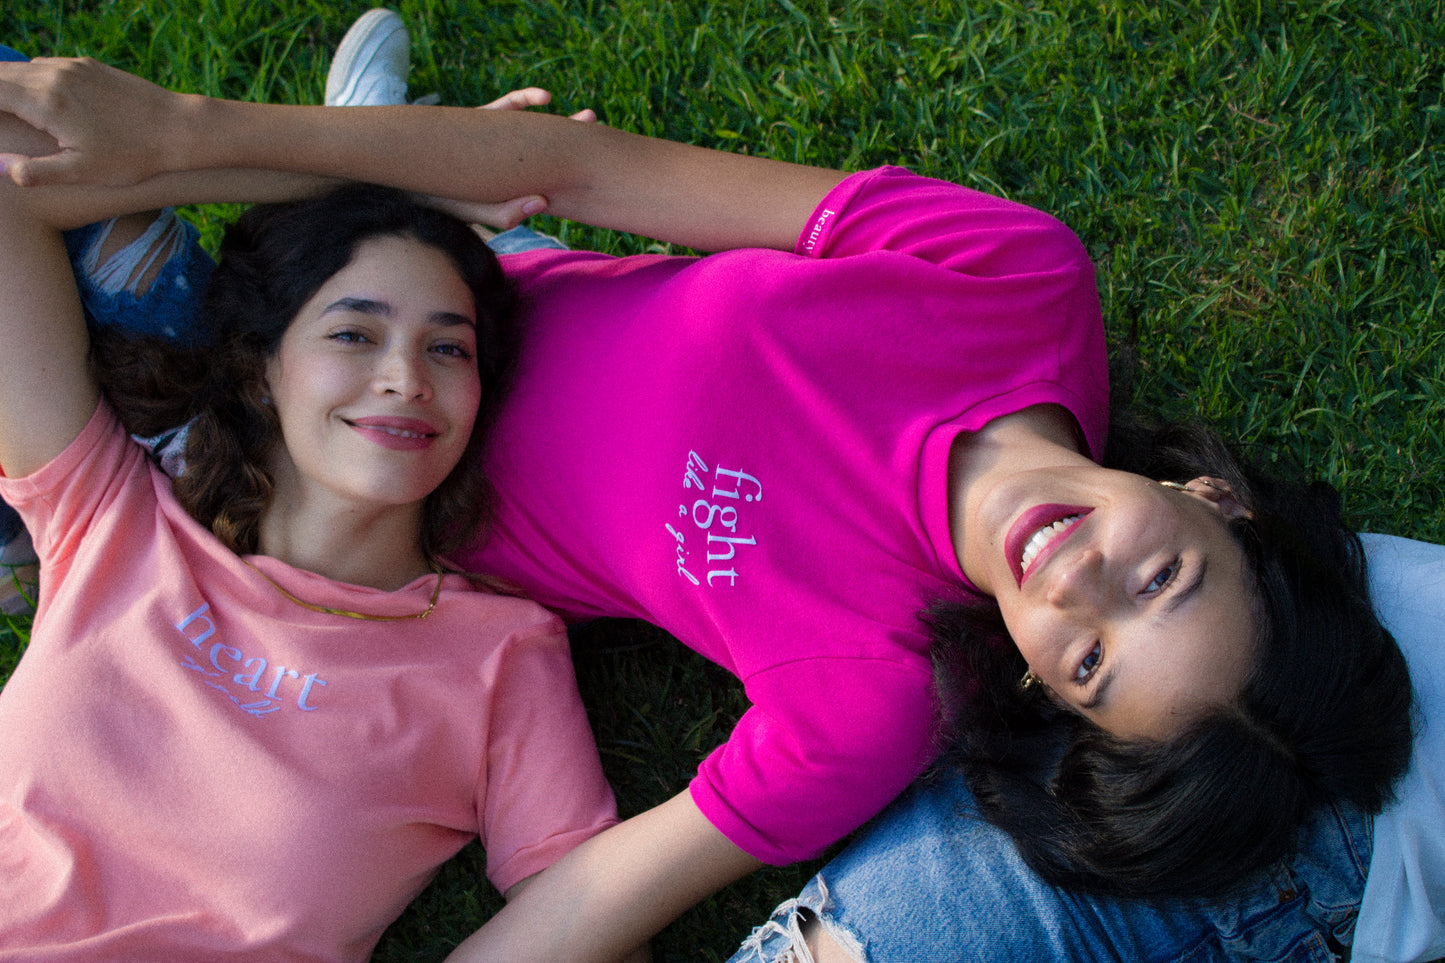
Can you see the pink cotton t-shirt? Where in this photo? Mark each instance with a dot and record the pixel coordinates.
(194, 768)
(750, 450)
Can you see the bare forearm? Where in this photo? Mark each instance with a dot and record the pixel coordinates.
(703, 198)
(113, 127)
(606, 898)
(67, 207)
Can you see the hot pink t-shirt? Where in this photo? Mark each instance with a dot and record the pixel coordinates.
(194, 768)
(750, 450)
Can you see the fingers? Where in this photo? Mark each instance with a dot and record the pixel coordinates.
(503, 216)
(520, 99)
(34, 171)
(534, 97)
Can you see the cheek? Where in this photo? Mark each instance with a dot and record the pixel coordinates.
(466, 398)
(1030, 629)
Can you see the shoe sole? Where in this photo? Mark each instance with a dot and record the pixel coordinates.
(370, 31)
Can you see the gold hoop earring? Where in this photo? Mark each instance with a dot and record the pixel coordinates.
(1030, 680)
(1175, 485)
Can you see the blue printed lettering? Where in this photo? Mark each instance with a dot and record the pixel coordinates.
(219, 648)
(208, 630)
(281, 673)
(198, 626)
(309, 681)
(249, 681)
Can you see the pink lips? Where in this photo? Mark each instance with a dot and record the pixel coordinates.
(1030, 522)
(398, 434)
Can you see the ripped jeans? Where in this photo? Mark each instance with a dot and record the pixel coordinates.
(930, 881)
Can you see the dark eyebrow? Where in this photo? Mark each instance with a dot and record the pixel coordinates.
(384, 310)
(360, 306)
(1185, 592)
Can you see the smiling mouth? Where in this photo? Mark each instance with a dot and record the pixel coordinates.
(1035, 533)
(399, 433)
(1042, 538)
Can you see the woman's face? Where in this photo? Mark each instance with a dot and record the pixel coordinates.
(375, 382)
(1128, 599)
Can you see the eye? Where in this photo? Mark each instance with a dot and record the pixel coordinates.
(1163, 578)
(453, 350)
(347, 336)
(1090, 664)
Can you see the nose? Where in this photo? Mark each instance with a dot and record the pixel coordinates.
(403, 373)
(1079, 583)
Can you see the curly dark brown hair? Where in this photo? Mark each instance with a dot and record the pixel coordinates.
(273, 259)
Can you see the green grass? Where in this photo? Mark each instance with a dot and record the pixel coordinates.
(1259, 183)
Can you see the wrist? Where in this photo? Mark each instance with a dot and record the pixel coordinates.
(194, 139)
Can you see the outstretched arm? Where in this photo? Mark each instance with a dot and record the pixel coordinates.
(707, 199)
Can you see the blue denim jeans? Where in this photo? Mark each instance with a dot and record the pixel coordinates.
(929, 880)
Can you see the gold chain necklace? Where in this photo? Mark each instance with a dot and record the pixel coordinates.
(327, 610)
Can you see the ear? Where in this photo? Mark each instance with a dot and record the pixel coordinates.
(1218, 492)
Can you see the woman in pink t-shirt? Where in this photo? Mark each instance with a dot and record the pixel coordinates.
(1076, 575)
(258, 710)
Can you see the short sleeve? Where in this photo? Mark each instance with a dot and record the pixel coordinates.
(1022, 272)
(545, 790)
(94, 477)
(827, 744)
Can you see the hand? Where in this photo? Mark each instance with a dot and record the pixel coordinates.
(108, 125)
(511, 213)
(534, 97)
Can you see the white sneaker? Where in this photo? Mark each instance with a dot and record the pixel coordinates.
(369, 69)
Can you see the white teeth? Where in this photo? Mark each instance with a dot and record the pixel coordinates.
(1042, 537)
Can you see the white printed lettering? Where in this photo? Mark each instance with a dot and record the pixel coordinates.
(739, 477)
(817, 229)
(731, 575)
(732, 544)
(726, 484)
(681, 555)
(728, 513)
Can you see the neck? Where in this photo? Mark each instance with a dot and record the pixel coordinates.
(380, 549)
(1043, 436)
